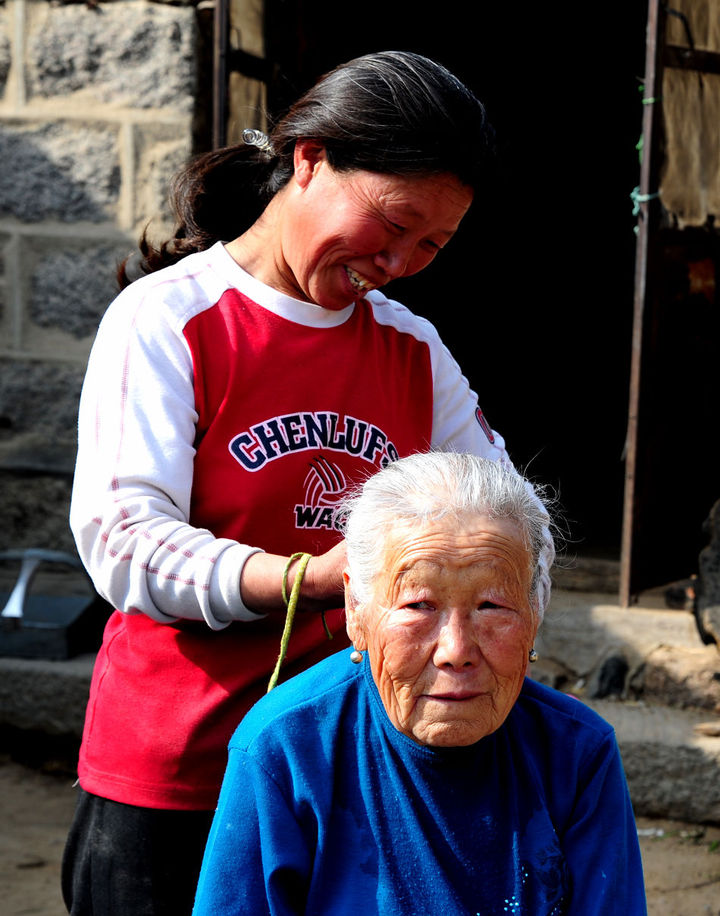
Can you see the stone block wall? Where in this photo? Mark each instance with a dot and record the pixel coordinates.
(98, 108)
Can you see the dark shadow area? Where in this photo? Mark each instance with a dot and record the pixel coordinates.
(534, 296)
(56, 755)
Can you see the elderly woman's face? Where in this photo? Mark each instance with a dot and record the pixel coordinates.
(449, 628)
(350, 232)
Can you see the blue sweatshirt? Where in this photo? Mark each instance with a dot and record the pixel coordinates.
(327, 809)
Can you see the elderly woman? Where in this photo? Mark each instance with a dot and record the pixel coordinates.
(423, 773)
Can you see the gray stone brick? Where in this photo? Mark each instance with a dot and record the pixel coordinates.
(66, 171)
(4, 323)
(35, 511)
(39, 398)
(70, 288)
(38, 423)
(124, 53)
(159, 156)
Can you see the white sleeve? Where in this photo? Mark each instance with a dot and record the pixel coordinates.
(459, 426)
(458, 423)
(133, 479)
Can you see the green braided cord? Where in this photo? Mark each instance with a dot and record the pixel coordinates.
(325, 626)
(651, 99)
(637, 198)
(291, 608)
(286, 571)
(296, 556)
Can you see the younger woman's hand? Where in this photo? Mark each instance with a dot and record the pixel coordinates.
(320, 590)
(322, 585)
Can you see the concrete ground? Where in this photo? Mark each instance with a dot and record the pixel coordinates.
(664, 700)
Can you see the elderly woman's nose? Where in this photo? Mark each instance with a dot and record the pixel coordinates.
(457, 646)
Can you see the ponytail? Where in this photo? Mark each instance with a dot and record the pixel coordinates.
(215, 198)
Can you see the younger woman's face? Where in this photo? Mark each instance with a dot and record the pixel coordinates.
(347, 233)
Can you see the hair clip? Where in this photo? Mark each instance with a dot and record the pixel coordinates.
(258, 139)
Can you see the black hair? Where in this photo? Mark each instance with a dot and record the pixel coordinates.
(392, 112)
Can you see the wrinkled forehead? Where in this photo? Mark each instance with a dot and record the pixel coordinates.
(481, 546)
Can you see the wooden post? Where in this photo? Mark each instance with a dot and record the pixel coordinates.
(220, 74)
(648, 208)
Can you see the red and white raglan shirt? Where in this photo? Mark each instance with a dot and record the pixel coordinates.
(220, 418)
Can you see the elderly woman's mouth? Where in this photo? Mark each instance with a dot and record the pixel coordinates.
(455, 697)
(359, 283)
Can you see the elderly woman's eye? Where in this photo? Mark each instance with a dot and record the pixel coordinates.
(492, 606)
(419, 605)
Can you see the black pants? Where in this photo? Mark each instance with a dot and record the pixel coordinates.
(126, 861)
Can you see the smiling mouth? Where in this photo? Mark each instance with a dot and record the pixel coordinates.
(359, 283)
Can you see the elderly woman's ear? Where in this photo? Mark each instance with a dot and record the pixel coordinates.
(354, 617)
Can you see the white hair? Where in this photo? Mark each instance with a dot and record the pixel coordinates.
(426, 487)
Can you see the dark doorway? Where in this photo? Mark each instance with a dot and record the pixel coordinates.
(534, 296)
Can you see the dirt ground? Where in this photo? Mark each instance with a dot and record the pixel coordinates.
(682, 861)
